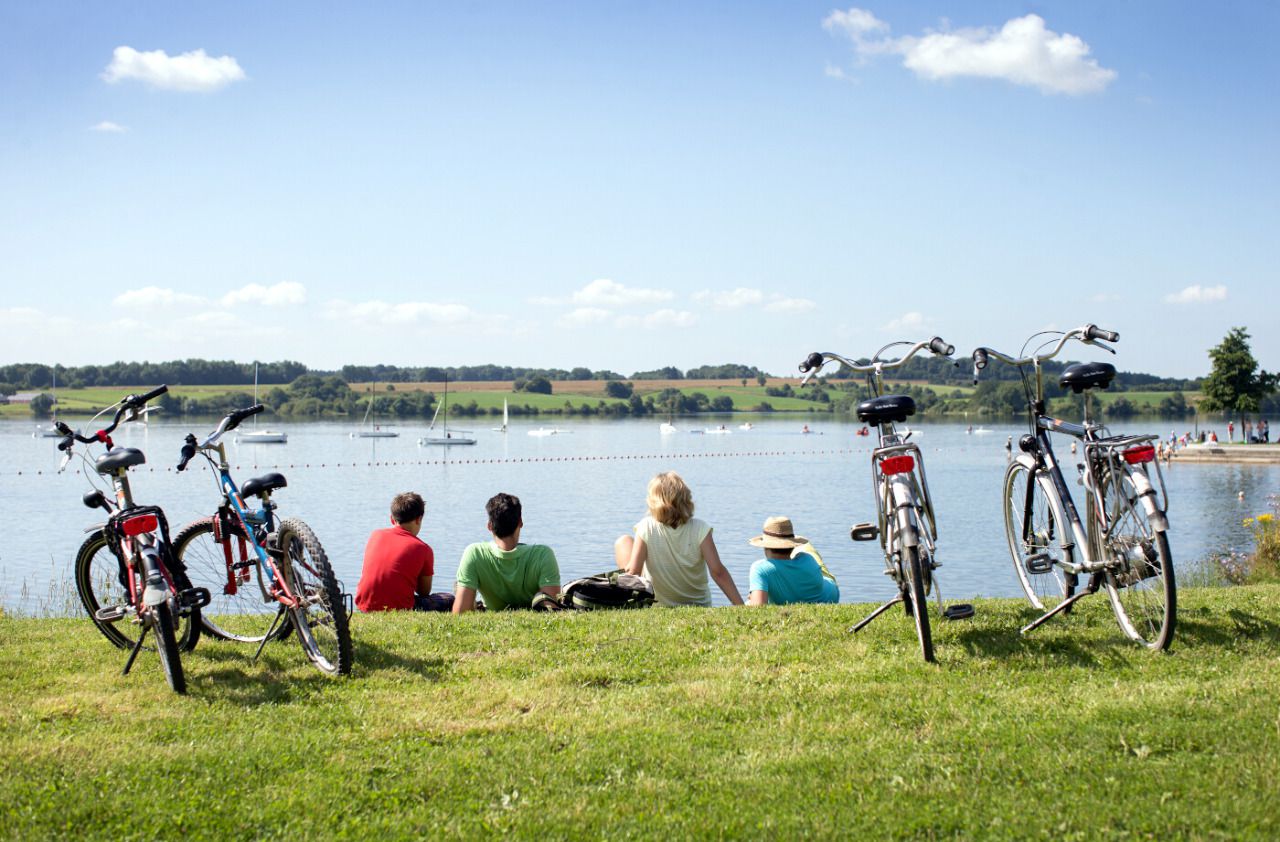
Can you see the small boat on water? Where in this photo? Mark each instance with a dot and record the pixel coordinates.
(746, 426)
(668, 428)
(549, 431)
(50, 431)
(718, 431)
(448, 438)
(373, 430)
(505, 419)
(256, 436)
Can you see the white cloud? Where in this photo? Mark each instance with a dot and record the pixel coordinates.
(734, 299)
(607, 293)
(913, 322)
(108, 126)
(1196, 294)
(381, 313)
(1023, 51)
(278, 295)
(193, 71)
(157, 298)
(583, 317)
(779, 304)
(19, 316)
(659, 320)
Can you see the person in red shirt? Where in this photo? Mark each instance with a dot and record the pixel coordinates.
(398, 565)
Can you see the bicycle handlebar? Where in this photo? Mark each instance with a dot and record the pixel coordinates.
(129, 403)
(229, 422)
(1088, 334)
(817, 360)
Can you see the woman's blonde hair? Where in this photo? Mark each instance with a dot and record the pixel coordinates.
(670, 501)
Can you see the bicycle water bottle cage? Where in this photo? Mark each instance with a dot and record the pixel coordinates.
(886, 408)
(1083, 376)
(258, 486)
(119, 459)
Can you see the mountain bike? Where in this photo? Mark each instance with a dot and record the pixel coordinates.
(127, 576)
(250, 561)
(905, 520)
(1122, 543)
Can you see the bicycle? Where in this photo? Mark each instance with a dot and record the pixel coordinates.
(1122, 542)
(905, 520)
(248, 560)
(126, 567)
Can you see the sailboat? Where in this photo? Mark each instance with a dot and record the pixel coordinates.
(374, 430)
(505, 418)
(256, 436)
(449, 439)
(51, 431)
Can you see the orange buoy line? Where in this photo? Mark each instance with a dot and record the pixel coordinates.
(495, 461)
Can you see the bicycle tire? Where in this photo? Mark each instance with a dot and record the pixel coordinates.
(320, 615)
(243, 616)
(1141, 582)
(97, 573)
(919, 600)
(167, 646)
(1043, 590)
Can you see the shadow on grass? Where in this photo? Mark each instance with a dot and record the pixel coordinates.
(1243, 626)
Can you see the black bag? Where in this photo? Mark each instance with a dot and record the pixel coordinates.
(614, 589)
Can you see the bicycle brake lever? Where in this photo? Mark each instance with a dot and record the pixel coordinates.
(1103, 346)
(66, 457)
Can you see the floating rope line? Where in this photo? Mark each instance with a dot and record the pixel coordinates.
(495, 461)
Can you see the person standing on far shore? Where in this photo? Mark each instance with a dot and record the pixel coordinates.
(1231, 431)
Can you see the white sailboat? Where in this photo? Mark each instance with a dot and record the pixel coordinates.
(50, 431)
(449, 438)
(373, 430)
(256, 436)
(505, 419)
(549, 431)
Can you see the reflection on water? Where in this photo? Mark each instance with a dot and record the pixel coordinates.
(584, 488)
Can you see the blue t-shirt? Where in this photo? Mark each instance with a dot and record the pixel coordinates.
(796, 579)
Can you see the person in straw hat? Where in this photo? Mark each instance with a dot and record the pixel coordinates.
(791, 570)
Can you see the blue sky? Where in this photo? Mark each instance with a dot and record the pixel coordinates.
(629, 186)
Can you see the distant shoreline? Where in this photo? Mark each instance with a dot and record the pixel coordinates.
(1237, 453)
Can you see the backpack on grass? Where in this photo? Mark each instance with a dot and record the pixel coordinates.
(613, 589)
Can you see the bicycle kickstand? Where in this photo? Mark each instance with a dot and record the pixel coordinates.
(883, 608)
(137, 647)
(274, 624)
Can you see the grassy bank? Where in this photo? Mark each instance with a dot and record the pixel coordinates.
(660, 723)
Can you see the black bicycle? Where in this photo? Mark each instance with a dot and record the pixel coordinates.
(1122, 543)
(127, 576)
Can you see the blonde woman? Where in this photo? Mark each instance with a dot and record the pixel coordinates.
(673, 549)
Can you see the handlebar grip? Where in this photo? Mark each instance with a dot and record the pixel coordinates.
(811, 362)
(979, 359)
(1095, 332)
(939, 346)
(234, 419)
(138, 401)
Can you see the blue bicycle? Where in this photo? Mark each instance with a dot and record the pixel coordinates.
(252, 563)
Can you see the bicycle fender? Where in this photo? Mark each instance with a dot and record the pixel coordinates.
(1147, 494)
(156, 590)
(904, 509)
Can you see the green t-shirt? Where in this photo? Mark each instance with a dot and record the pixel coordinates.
(508, 577)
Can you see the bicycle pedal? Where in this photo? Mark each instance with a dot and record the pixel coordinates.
(864, 532)
(194, 597)
(1039, 563)
(110, 613)
(958, 611)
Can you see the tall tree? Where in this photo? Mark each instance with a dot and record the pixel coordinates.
(1236, 384)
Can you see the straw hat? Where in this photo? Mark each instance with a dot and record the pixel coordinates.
(778, 535)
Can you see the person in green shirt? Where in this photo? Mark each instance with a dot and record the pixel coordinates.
(507, 573)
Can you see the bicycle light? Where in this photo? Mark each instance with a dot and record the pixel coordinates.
(897, 465)
(139, 525)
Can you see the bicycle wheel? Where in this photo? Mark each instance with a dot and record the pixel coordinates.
(167, 644)
(1140, 580)
(237, 610)
(320, 615)
(97, 573)
(919, 600)
(1034, 543)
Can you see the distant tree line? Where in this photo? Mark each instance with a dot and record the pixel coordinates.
(194, 372)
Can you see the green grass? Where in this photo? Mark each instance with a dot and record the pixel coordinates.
(660, 724)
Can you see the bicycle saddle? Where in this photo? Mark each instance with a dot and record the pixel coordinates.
(886, 408)
(261, 485)
(1083, 376)
(118, 458)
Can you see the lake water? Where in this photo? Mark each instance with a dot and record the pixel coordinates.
(581, 490)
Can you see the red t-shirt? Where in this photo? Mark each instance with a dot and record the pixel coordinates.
(394, 558)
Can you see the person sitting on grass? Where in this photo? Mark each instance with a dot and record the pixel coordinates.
(507, 573)
(398, 565)
(673, 549)
(789, 571)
